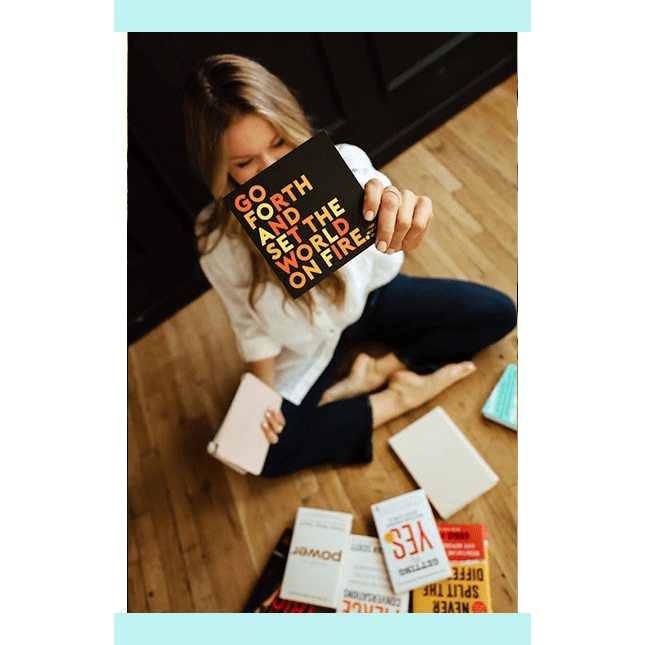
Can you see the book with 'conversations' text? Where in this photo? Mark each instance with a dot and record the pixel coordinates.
(304, 213)
(365, 584)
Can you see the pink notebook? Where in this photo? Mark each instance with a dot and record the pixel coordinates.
(240, 442)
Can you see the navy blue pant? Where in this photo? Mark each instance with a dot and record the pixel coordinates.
(427, 323)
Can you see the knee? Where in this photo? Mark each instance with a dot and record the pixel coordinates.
(270, 472)
(506, 314)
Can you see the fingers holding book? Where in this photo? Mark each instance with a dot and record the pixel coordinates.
(273, 424)
(404, 216)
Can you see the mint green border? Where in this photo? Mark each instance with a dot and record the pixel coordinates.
(330, 15)
(321, 629)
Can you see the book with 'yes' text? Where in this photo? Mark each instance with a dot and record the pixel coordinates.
(413, 551)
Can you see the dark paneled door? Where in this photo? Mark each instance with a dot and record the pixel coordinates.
(381, 92)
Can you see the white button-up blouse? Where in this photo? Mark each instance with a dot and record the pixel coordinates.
(302, 348)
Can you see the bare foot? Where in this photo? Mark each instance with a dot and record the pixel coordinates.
(367, 374)
(413, 390)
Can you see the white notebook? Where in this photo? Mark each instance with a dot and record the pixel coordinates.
(443, 462)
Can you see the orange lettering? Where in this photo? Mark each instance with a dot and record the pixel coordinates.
(341, 225)
(257, 189)
(411, 538)
(278, 201)
(398, 534)
(423, 537)
(289, 261)
(277, 224)
(242, 203)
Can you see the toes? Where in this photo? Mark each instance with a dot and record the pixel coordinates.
(361, 364)
(360, 380)
(463, 369)
(324, 399)
(407, 376)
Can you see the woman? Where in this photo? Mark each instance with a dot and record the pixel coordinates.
(240, 118)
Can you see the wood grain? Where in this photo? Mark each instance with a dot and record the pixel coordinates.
(198, 533)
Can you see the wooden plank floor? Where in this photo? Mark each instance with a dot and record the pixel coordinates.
(199, 533)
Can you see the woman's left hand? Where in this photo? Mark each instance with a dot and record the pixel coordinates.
(403, 216)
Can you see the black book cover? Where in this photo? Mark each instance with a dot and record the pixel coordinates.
(305, 214)
(265, 597)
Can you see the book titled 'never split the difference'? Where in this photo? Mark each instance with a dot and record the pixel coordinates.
(468, 589)
(304, 214)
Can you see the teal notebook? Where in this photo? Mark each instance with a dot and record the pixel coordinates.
(501, 406)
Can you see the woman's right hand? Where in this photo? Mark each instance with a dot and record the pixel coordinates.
(273, 424)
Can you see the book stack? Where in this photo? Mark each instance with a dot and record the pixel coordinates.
(320, 566)
(415, 565)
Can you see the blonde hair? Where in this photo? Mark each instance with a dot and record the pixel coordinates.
(225, 88)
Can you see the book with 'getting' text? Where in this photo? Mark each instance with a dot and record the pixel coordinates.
(413, 551)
